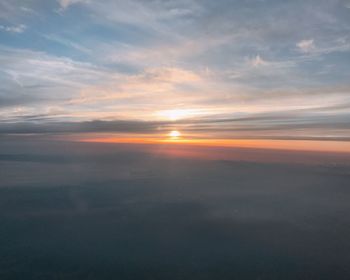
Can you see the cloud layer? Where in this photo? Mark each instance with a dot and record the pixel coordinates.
(81, 61)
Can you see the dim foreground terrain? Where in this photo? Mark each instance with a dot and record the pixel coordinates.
(99, 211)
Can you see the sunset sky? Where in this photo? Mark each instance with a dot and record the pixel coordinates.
(174, 139)
(250, 69)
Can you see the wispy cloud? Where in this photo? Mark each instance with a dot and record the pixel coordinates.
(14, 28)
(64, 4)
(306, 46)
(258, 61)
(66, 42)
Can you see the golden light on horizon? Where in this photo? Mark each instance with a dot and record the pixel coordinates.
(176, 137)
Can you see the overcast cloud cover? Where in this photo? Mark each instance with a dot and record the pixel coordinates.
(284, 65)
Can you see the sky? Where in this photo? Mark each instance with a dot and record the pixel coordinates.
(261, 69)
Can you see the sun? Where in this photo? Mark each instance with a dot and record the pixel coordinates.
(174, 134)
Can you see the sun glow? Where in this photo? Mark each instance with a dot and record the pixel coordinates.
(174, 134)
(178, 114)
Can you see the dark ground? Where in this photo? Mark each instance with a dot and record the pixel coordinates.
(97, 211)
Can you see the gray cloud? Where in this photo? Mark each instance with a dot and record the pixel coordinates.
(77, 127)
(296, 124)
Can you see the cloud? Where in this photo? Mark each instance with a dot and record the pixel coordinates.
(150, 13)
(66, 3)
(150, 86)
(169, 75)
(258, 61)
(79, 127)
(27, 76)
(14, 29)
(37, 81)
(306, 46)
(293, 124)
(66, 42)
